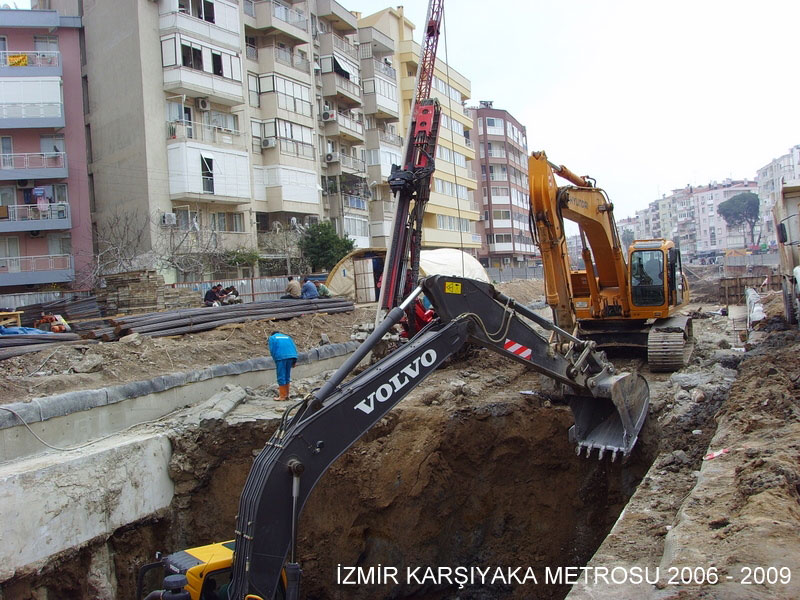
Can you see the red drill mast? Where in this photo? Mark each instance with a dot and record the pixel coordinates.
(411, 184)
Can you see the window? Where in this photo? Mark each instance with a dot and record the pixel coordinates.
(6, 151)
(647, 277)
(252, 90)
(8, 196)
(45, 43)
(233, 222)
(501, 214)
(187, 219)
(207, 171)
(59, 243)
(9, 250)
(192, 56)
(356, 226)
(448, 223)
(292, 96)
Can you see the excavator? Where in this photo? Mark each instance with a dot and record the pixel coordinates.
(618, 304)
(260, 563)
(609, 408)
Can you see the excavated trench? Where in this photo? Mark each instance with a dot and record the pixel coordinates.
(475, 475)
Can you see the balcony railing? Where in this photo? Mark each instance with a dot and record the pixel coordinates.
(36, 212)
(27, 264)
(347, 85)
(201, 132)
(345, 160)
(387, 70)
(390, 138)
(251, 52)
(354, 201)
(285, 56)
(342, 44)
(31, 110)
(10, 58)
(294, 17)
(350, 123)
(34, 160)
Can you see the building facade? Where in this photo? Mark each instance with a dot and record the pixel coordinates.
(770, 182)
(502, 168)
(45, 221)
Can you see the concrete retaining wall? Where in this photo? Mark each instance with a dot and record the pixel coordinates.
(55, 501)
(76, 417)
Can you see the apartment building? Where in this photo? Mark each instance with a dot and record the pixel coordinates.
(45, 225)
(502, 168)
(451, 217)
(770, 182)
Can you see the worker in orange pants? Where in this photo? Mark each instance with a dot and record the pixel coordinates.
(284, 353)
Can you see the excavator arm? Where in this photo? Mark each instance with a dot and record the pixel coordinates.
(609, 411)
(588, 206)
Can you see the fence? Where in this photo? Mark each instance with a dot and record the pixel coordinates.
(509, 273)
(24, 299)
(253, 289)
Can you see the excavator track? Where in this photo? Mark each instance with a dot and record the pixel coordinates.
(670, 344)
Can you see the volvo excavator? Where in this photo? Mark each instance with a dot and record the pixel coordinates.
(616, 303)
(261, 563)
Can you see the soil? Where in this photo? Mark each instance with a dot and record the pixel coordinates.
(467, 471)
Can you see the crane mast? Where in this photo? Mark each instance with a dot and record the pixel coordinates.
(411, 183)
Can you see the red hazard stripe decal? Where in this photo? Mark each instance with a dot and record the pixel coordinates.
(518, 349)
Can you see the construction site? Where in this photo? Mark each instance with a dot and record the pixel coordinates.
(467, 471)
(407, 423)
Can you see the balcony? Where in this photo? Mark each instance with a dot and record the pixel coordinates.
(25, 63)
(31, 270)
(35, 165)
(380, 106)
(197, 27)
(272, 17)
(32, 217)
(196, 83)
(338, 164)
(356, 202)
(344, 127)
(31, 115)
(190, 130)
(337, 15)
(372, 42)
(274, 59)
(341, 88)
(372, 67)
(330, 42)
(375, 137)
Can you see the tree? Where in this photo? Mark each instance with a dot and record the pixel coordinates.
(627, 239)
(323, 247)
(741, 210)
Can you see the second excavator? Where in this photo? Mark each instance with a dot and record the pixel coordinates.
(617, 303)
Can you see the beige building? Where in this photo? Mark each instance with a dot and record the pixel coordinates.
(451, 214)
(216, 126)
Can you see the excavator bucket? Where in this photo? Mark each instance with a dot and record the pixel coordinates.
(611, 420)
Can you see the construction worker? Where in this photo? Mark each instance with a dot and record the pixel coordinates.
(284, 353)
(309, 291)
(323, 290)
(292, 290)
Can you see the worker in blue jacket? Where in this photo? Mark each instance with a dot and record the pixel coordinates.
(284, 353)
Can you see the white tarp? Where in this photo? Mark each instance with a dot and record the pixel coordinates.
(444, 261)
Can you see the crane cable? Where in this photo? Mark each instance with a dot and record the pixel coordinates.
(452, 142)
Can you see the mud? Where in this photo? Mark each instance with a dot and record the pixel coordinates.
(450, 477)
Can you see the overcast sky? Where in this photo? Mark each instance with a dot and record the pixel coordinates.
(644, 96)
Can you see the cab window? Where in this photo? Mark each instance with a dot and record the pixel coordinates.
(647, 277)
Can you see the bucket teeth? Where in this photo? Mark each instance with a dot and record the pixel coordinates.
(601, 452)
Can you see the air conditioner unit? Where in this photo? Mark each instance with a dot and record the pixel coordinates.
(328, 115)
(168, 219)
(24, 184)
(332, 157)
(268, 142)
(202, 104)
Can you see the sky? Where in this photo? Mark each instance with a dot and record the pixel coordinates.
(645, 97)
